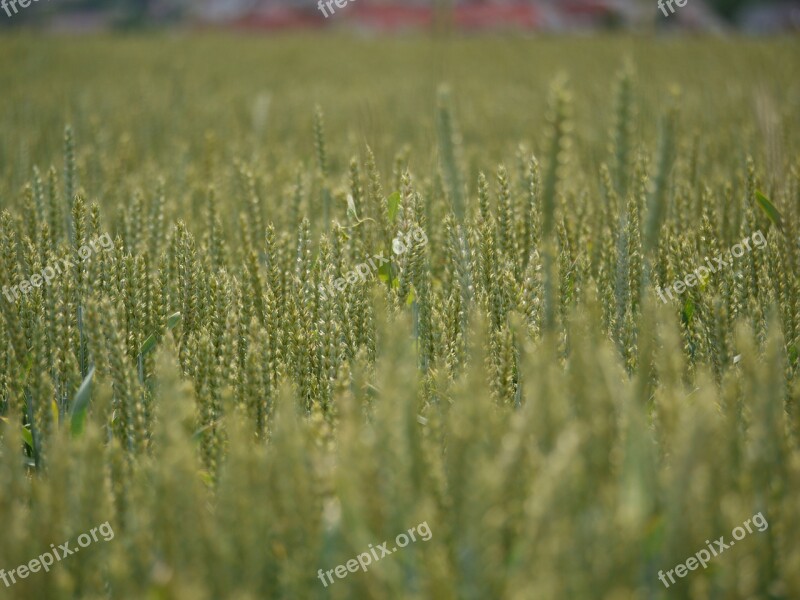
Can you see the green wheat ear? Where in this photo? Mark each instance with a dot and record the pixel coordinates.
(624, 124)
(70, 178)
(559, 127)
(450, 149)
(322, 164)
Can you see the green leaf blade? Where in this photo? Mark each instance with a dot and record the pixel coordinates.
(80, 404)
(394, 205)
(769, 209)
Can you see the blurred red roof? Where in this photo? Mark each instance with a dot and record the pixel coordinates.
(392, 15)
(490, 16)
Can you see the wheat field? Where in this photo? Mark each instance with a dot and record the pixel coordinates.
(215, 381)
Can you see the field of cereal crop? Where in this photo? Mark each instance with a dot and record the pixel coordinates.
(535, 372)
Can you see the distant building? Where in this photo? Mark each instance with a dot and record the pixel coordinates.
(399, 15)
(393, 15)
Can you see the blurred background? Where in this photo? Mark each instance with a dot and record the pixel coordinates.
(386, 16)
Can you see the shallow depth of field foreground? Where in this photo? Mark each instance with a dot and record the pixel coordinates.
(269, 304)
